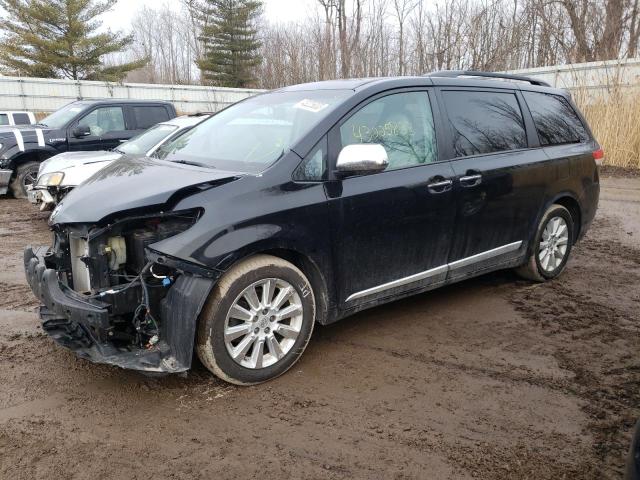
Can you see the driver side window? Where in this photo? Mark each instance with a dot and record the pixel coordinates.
(402, 123)
(103, 120)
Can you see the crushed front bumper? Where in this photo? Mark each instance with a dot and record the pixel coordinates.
(5, 178)
(83, 324)
(41, 197)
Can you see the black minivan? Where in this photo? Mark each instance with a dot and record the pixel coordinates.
(307, 204)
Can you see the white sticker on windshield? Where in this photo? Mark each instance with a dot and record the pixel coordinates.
(311, 105)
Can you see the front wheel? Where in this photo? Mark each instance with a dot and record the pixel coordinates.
(26, 176)
(551, 247)
(257, 321)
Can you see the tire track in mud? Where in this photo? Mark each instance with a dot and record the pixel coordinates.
(591, 315)
(404, 391)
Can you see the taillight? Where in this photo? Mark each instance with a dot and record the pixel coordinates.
(598, 156)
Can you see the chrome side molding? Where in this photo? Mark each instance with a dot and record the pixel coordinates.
(400, 282)
(479, 257)
(463, 262)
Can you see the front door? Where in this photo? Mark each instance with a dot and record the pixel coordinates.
(106, 129)
(500, 182)
(392, 229)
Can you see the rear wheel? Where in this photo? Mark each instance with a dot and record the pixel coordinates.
(257, 321)
(552, 246)
(26, 176)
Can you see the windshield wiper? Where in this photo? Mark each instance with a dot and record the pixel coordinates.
(195, 164)
(40, 124)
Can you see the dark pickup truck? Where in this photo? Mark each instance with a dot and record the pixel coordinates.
(81, 125)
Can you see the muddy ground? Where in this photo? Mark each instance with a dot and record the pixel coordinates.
(491, 378)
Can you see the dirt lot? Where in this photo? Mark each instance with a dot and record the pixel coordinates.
(491, 378)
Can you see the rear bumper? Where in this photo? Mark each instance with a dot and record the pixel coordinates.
(5, 178)
(84, 325)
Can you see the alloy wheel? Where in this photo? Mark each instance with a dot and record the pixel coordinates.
(29, 179)
(263, 323)
(553, 244)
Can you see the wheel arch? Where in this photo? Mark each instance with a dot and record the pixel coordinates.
(311, 270)
(32, 155)
(571, 203)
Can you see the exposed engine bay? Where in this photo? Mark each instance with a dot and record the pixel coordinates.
(131, 293)
(110, 264)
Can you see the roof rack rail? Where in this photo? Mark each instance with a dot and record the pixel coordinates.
(471, 73)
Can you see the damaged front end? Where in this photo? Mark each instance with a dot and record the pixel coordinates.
(108, 296)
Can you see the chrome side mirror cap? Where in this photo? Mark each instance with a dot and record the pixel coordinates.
(362, 158)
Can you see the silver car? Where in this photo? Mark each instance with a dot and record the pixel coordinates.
(61, 173)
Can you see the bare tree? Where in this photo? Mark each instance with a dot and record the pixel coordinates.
(342, 38)
(402, 9)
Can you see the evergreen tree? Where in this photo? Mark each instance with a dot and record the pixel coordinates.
(230, 40)
(59, 39)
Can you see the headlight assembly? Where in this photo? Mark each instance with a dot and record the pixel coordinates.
(52, 179)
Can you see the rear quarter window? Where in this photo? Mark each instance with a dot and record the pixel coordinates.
(21, 119)
(148, 116)
(555, 119)
(484, 122)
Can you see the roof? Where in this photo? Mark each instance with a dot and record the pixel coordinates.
(185, 120)
(342, 84)
(463, 79)
(120, 100)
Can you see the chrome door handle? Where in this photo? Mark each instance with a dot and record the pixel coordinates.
(471, 180)
(440, 186)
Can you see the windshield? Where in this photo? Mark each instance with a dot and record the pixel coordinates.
(251, 135)
(62, 116)
(144, 142)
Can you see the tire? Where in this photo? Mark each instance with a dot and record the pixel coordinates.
(227, 309)
(26, 174)
(543, 266)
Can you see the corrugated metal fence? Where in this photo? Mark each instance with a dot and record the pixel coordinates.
(594, 79)
(47, 95)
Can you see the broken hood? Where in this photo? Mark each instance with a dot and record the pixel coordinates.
(132, 183)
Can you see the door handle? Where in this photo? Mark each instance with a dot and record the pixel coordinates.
(471, 180)
(440, 186)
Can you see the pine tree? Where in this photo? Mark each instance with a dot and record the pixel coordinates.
(60, 39)
(230, 41)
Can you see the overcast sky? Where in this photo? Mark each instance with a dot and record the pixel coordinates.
(275, 10)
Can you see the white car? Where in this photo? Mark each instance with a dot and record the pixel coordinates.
(61, 173)
(12, 118)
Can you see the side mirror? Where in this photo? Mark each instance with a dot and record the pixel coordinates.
(81, 131)
(362, 158)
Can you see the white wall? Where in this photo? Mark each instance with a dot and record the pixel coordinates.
(596, 78)
(47, 95)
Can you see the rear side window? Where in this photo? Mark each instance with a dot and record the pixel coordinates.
(21, 119)
(555, 119)
(484, 122)
(148, 116)
(4, 119)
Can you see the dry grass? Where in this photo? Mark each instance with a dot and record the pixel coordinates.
(615, 122)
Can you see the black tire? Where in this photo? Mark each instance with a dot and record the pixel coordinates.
(210, 342)
(533, 269)
(26, 174)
